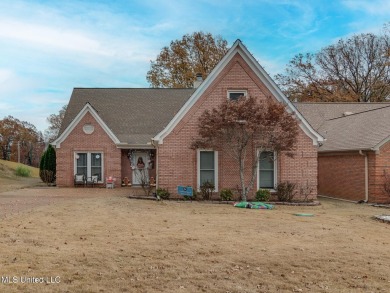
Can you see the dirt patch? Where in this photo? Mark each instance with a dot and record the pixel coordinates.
(98, 240)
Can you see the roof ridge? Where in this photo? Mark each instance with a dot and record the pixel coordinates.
(345, 103)
(353, 114)
(130, 88)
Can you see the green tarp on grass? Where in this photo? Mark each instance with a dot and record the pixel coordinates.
(254, 205)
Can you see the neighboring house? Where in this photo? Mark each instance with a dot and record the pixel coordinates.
(356, 151)
(106, 131)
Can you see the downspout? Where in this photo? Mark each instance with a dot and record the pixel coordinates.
(365, 174)
(155, 144)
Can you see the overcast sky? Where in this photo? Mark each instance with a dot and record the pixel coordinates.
(49, 47)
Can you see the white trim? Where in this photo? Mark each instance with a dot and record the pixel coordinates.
(89, 166)
(234, 91)
(86, 109)
(275, 170)
(198, 151)
(239, 48)
(381, 143)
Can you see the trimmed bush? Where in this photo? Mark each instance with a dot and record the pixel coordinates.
(47, 166)
(206, 190)
(263, 195)
(22, 171)
(163, 193)
(286, 191)
(226, 194)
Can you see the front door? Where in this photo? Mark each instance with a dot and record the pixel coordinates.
(140, 171)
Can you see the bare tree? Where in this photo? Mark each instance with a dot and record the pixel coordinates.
(243, 129)
(55, 121)
(354, 69)
(177, 65)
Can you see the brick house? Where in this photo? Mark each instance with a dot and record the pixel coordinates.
(356, 152)
(106, 132)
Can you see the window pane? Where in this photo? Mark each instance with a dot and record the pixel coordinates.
(81, 162)
(96, 159)
(96, 165)
(266, 179)
(97, 171)
(266, 170)
(235, 96)
(207, 176)
(267, 161)
(207, 160)
(81, 159)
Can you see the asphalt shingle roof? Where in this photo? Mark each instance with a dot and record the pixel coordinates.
(134, 115)
(366, 127)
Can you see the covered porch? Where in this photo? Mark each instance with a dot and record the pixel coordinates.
(138, 167)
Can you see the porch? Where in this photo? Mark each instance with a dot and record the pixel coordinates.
(138, 168)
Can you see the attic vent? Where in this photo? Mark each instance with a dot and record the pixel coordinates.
(347, 113)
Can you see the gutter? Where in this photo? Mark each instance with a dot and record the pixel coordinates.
(155, 144)
(134, 146)
(365, 174)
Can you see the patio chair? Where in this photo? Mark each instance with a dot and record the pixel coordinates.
(79, 179)
(91, 181)
(110, 182)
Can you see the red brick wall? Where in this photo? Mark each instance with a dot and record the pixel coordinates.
(177, 163)
(341, 175)
(377, 164)
(301, 168)
(78, 141)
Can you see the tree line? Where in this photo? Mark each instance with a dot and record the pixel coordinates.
(20, 141)
(354, 69)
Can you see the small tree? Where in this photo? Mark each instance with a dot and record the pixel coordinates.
(142, 176)
(55, 121)
(243, 129)
(47, 166)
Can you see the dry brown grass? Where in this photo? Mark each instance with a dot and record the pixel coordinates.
(98, 240)
(7, 168)
(9, 181)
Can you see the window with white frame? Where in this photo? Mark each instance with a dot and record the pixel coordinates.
(89, 164)
(233, 95)
(267, 170)
(208, 167)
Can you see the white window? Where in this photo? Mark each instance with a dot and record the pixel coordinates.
(233, 95)
(267, 170)
(90, 164)
(208, 167)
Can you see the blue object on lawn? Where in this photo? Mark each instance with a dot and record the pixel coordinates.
(184, 190)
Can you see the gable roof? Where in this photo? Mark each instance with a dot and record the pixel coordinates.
(86, 109)
(365, 126)
(239, 48)
(133, 115)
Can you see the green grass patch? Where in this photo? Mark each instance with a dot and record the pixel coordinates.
(22, 171)
(7, 168)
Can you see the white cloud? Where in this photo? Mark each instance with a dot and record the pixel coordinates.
(57, 38)
(374, 7)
